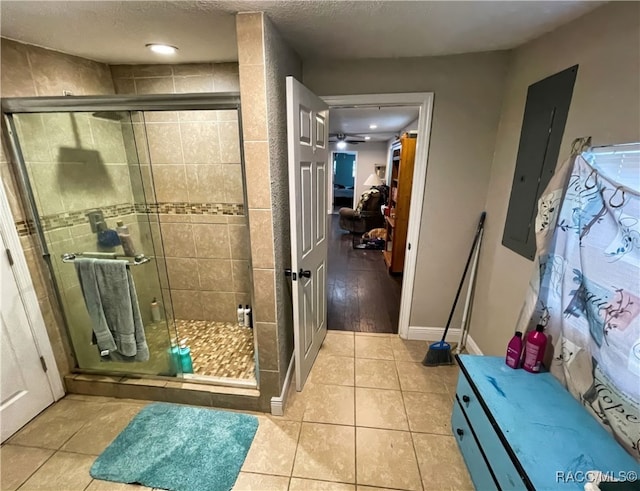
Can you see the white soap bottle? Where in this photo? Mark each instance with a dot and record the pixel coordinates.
(247, 316)
(240, 316)
(125, 239)
(155, 311)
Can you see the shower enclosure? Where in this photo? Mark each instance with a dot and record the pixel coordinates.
(170, 170)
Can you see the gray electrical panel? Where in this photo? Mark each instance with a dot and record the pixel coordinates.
(543, 124)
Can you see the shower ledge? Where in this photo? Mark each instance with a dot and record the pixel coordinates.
(167, 391)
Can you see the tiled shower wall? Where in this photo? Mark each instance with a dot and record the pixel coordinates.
(219, 232)
(78, 163)
(29, 71)
(195, 161)
(175, 79)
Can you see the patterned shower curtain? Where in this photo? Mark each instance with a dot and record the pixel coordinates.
(586, 290)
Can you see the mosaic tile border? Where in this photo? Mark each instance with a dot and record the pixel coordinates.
(183, 208)
(25, 228)
(70, 218)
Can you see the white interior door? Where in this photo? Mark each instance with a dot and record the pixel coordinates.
(307, 124)
(25, 388)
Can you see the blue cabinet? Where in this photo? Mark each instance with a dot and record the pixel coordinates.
(481, 474)
(518, 430)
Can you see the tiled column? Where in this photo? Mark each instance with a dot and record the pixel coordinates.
(251, 58)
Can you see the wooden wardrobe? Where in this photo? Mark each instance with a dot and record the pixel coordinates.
(403, 153)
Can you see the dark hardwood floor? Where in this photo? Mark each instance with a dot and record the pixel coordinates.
(362, 295)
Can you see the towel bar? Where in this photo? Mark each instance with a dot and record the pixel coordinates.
(69, 257)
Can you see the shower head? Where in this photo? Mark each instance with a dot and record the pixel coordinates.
(110, 115)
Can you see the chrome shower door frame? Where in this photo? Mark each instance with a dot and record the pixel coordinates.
(73, 104)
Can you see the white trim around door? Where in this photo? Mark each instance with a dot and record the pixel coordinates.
(28, 294)
(424, 100)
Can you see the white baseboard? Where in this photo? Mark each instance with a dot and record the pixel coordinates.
(278, 403)
(435, 334)
(472, 347)
(432, 333)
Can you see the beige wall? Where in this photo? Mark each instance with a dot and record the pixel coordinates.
(605, 105)
(29, 71)
(468, 94)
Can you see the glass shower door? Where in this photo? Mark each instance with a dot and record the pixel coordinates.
(89, 176)
(197, 169)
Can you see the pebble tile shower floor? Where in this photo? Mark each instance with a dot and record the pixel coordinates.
(219, 349)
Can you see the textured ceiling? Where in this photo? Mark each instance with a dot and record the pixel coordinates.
(116, 31)
(356, 121)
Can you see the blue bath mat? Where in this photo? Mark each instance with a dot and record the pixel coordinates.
(179, 448)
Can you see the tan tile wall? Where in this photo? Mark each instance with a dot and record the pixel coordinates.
(195, 158)
(29, 71)
(175, 79)
(265, 60)
(78, 162)
(207, 265)
(72, 175)
(148, 286)
(250, 33)
(20, 78)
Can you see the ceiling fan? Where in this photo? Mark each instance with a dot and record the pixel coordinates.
(344, 138)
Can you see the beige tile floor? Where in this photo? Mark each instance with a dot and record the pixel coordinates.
(370, 418)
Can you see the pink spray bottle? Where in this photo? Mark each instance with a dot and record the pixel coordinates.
(514, 350)
(534, 350)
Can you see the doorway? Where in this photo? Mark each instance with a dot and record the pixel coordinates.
(308, 160)
(364, 287)
(345, 164)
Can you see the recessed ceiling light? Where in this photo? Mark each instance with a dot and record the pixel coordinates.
(367, 138)
(162, 49)
(373, 126)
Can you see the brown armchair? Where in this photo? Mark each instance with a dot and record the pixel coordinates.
(367, 214)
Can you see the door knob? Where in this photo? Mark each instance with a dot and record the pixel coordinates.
(304, 273)
(460, 431)
(466, 399)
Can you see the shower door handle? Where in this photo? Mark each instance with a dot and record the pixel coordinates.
(304, 273)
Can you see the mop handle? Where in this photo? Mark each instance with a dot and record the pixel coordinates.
(470, 292)
(464, 275)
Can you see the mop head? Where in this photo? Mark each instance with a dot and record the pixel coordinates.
(439, 354)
